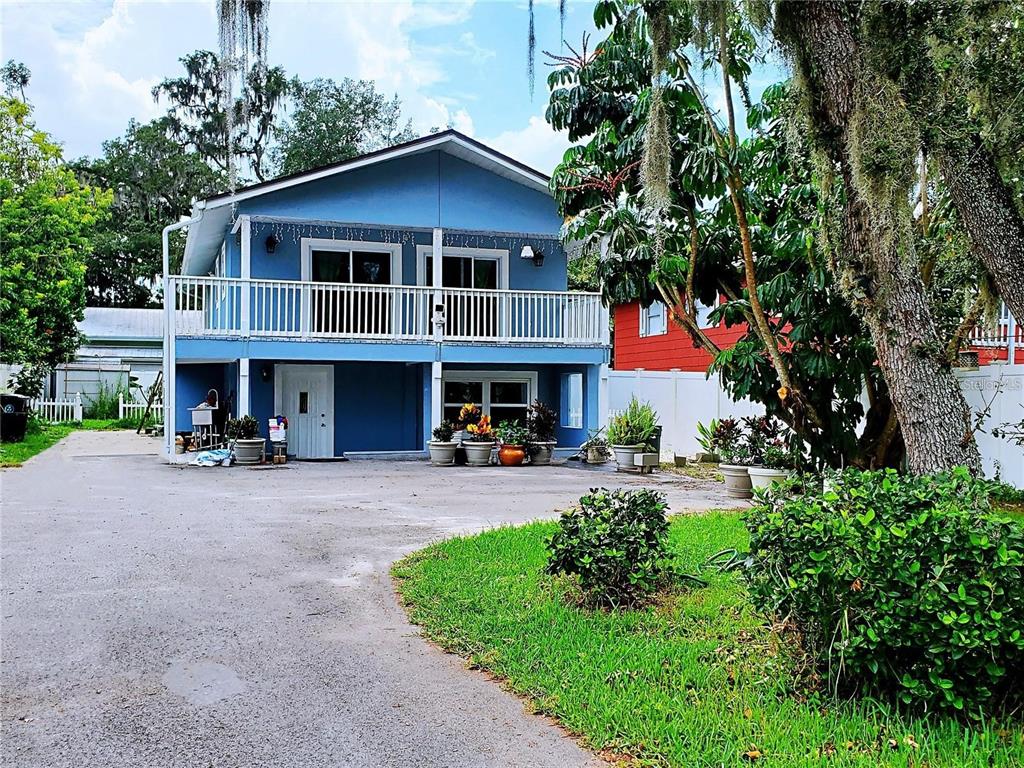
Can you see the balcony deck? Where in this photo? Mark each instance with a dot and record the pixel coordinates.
(212, 307)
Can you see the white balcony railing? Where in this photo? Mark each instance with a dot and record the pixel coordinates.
(1005, 334)
(210, 306)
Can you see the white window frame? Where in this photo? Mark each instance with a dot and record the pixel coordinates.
(494, 254)
(645, 320)
(703, 310)
(487, 378)
(310, 244)
(572, 418)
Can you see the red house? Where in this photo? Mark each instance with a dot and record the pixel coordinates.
(647, 338)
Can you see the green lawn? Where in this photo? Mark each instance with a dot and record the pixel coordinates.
(696, 680)
(35, 442)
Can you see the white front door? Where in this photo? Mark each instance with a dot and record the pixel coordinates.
(305, 395)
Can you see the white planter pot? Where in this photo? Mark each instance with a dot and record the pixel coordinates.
(249, 451)
(442, 454)
(762, 477)
(540, 453)
(737, 481)
(478, 454)
(624, 455)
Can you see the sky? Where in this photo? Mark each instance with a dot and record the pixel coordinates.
(95, 62)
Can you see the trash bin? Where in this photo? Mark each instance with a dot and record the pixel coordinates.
(656, 440)
(13, 418)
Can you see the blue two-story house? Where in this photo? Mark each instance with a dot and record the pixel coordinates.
(368, 300)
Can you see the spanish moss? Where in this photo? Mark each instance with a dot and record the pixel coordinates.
(531, 48)
(242, 31)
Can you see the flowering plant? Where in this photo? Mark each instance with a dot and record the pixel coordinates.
(481, 432)
(470, 414)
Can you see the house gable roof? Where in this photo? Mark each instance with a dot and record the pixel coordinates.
(215, 213)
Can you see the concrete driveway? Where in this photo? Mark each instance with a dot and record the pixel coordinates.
(175, 616)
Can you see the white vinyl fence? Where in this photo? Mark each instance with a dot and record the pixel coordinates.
(682, 399)
(999, 390)
(58, 411)
(129, 409)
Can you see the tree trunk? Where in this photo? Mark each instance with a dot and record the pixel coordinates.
(934, 417)
(985, 206)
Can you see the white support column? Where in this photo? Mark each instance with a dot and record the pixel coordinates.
(170, 365)
(246, 271)
(438, 310)
(602, 396)
(436, 394)
(243, 387)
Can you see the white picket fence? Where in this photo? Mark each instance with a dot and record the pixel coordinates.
(682, 399)
(58, 411)
(129, 409)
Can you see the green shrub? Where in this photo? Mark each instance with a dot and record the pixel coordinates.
(614, 542)
(104, 405)
(899, 584)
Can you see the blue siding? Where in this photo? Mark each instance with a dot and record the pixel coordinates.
(377, 406)
(192, 382)
(432, 189)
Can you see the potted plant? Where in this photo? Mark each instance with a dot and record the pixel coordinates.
(595, 450)
(479, 443)
(705, 439)
(442, 447)
(729, 442)
(513, 439)
(541, 422)
(632, 432)
(244, 431)
(773, 456)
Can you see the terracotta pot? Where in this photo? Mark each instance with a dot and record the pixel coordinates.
(478, 454)
(442, 454)
(511, 455)
(737, 481)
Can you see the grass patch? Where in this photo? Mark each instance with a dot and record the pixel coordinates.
(695, 679)
(697, 470)
(41, 436)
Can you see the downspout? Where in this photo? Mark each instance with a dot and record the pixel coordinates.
(168, 345)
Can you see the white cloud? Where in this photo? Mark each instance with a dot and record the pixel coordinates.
(537, 144)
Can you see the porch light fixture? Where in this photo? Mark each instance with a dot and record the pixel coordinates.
(272, 242)
(529, 253)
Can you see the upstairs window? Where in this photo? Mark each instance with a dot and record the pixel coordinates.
(653, 320)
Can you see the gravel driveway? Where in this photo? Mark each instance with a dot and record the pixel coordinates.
(156, 615)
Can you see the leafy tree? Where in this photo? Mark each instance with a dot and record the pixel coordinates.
(221, 135)
(692, 249)
(865, 139)
(332, 121)
(47, 220)
(154, 184)
(15, 76)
